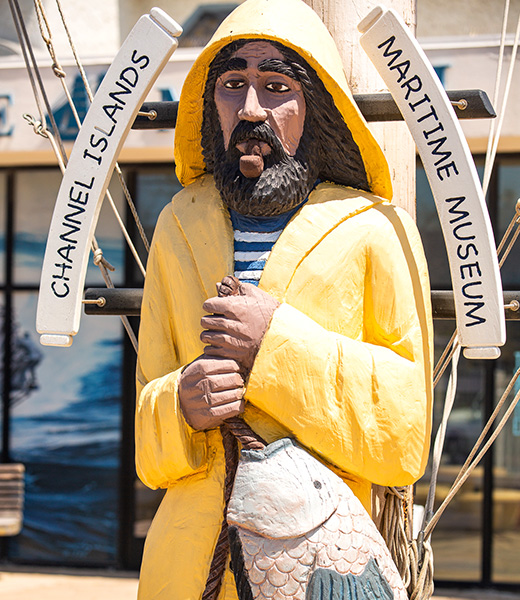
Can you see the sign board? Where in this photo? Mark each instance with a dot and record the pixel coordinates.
(124, 88)
(453, 178)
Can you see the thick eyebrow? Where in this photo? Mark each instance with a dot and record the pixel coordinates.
(233, 64)
(275, 65)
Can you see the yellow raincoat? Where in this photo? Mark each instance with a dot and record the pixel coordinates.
(345, 365)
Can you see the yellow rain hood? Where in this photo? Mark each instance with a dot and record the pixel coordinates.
(297, 26)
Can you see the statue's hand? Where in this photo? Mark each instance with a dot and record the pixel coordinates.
(210, 391)
(238, 324)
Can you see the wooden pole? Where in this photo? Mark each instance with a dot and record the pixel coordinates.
(341, 18)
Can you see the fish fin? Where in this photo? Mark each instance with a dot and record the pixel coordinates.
(326, 584)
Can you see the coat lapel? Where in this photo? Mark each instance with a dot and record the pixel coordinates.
(208, 232)
(328, 206)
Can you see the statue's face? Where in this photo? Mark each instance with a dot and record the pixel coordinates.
(264, 156)
(258, 86)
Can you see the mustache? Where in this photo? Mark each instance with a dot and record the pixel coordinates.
(246, 130)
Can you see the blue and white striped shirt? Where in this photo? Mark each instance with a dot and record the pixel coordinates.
(253, 241)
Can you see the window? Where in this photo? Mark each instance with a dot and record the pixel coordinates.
(63, 407)
(478, 537)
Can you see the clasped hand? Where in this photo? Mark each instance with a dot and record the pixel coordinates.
(212, 386)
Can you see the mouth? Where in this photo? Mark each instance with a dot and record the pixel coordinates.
(252, 159)
(254, 146)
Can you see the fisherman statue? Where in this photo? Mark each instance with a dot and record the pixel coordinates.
(323, 349)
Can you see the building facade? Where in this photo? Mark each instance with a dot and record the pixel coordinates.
(68, 414)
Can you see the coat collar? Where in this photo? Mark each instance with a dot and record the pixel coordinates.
(207, 229)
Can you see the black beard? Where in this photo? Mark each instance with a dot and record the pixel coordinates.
(284, 183)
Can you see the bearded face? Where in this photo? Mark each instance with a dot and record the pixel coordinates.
(284, 182)
(261, 137)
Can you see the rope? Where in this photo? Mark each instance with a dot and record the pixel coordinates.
(104, 266)
(445, 359)
(488, 426)
(514, 221)
(46, 34)
(34, 72)
(220, 554)
(497, 87)
(489, 163)
(441, 436)
(509, 231)
(394, 528)
(421, 584)
(233, 430)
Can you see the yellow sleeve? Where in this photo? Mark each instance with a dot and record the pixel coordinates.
(364, 405)
(167, 448)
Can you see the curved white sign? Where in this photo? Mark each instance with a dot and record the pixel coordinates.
(125, 86)
(453, 178)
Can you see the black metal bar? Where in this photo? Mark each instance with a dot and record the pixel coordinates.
(443, 305)
(487, 483)
(8, 320)
(374, 107)
(166, 115)
(127, 301)
(8, 332)
(120, 301)
(127, 475)
(381, 107)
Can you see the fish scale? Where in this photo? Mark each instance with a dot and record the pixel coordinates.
(297, 558)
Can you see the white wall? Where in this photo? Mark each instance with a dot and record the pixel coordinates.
(463, 17)
(476, 67)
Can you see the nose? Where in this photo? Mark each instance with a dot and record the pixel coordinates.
(252, 110)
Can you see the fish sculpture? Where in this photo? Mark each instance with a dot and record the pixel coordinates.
(298, 532)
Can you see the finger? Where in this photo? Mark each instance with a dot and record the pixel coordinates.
(222, 306)
(223, 382)
(248, 289)
(219, 323)
(231, 353)
(226, 411)
(220, 340)
(229, 286)
(206, 365)
(214, 399)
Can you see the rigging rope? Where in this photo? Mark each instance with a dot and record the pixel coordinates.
(40, 128)
(445, 359)
(465, 473)
(491, 159)
(497, 86)
(34, 72)
(440, 437)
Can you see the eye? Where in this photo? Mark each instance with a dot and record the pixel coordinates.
(233, 84)
(278, 87)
